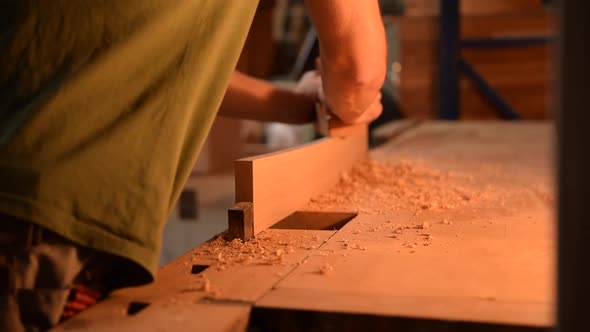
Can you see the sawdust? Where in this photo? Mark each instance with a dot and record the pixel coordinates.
(346, 244)
(257, 251)
(206, 285)
(326, 269)
(268, 248)
(377, 187)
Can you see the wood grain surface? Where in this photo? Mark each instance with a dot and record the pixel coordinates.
(486, 262)
(280, 183)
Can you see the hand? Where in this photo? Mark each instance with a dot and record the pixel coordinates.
(310, 84)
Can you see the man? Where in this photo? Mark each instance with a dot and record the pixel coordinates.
(104, 106)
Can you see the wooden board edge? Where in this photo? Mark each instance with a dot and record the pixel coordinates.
(455, 309)
(253, 174)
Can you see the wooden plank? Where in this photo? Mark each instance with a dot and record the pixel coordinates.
(270, 319)
(476, 278)
(433, 308)
(245, 272)
(237, 275)
(488, 258)
(280, 183)
(181, 313)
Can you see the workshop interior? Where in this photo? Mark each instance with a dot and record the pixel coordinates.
(460, 208)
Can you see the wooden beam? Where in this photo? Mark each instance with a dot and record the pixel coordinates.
(280, 183)
(241, 223)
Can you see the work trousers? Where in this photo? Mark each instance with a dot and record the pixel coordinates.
(38, 270)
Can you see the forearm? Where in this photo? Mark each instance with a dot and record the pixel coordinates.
(255, 99)
(352, 53)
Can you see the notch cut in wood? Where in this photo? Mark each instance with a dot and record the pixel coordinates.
(316, 220)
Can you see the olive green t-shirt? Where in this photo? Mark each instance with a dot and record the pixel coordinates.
(104, 106)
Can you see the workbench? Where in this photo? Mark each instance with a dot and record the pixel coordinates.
(448, 227)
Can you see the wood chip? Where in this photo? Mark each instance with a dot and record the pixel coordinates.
(206, 285)
(326, 269)
(447, 222)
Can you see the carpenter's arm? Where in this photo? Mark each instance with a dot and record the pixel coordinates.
(250, 98)
(352, 55)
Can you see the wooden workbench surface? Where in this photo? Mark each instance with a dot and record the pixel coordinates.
(455, 226)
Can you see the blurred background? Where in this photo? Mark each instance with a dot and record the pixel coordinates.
(502, 53)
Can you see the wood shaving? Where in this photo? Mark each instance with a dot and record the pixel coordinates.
(357, 246)
(326, 269)
(428, 237)
(206, 285)
(308, 247)
(267, 249)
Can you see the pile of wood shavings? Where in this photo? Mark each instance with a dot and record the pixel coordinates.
(269, 248)
(378, 187)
